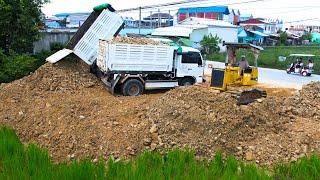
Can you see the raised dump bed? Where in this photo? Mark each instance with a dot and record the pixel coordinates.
(103, 23)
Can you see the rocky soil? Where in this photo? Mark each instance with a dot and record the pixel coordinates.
(267, 131)
(132, 40)
(65, 109)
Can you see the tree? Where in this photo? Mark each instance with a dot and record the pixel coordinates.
(283, 38)
(210, 44)
(19, 24)
(307, 36)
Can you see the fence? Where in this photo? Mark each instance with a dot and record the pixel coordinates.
(47, 38)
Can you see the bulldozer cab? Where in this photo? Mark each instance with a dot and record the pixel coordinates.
(232, 74)
(232, 49)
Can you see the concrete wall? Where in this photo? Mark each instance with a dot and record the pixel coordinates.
(226, 34)
(48, 38)
(197, 35)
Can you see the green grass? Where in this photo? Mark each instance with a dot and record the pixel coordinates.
(269, 57)
(31, 162)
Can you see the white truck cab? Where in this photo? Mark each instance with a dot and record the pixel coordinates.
(190, 64)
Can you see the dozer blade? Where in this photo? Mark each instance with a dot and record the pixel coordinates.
(249, 96)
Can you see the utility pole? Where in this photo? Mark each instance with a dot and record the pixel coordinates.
(151, 19)
(169, 18)
(159, 20)
(139, 20)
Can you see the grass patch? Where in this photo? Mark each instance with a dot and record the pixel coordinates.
(269, 57)
(31, 162)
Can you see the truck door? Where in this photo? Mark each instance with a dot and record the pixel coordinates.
(191, 64)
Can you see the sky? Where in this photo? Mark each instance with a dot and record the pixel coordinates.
(287, 10)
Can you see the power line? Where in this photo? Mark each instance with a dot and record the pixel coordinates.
(302, 20)
(160, 5)
(188, 2)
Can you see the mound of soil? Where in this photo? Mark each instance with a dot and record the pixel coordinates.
(63, 108)
(207, 121)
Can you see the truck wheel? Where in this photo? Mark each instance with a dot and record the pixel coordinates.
(132, 87)
(186, 82)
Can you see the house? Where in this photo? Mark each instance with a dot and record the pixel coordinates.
(301, 28)
(267, 27)
(234, 17)
(196, 28)
(211, 12)
(73, 20)
(52, 24)
(129, 21)
(245, 17)
(159, 20)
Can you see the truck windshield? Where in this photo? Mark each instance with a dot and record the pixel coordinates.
(192, 58)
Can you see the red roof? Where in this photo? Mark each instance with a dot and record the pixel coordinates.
(253, 21)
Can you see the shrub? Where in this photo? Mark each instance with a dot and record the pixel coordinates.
(54, 47)
(17, 66)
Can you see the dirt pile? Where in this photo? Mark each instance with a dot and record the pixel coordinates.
(132, 40)
(307, 102)
(208, 121)
(64, 108)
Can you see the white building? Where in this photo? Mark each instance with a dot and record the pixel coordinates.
(196, 28)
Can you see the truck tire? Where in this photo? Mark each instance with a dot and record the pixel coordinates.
(186, 82)
(132, 87)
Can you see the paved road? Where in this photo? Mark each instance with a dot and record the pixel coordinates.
(275, 78)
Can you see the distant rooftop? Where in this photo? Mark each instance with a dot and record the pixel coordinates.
(207, 22)
(210, 9)
(68, 14)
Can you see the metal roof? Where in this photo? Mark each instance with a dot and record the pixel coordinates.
(173, 31)
(206, 22)
(210, 9)
(259, 33)
(243, 45)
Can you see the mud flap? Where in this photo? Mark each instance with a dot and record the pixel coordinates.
(111, 84)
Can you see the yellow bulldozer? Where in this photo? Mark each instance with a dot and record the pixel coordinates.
(235, 75)
(232, 74)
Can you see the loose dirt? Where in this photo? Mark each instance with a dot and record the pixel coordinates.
(65, 109)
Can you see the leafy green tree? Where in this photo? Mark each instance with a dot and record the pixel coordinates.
(19, 24)
(307, 36)
(283, 38)
(210, 44)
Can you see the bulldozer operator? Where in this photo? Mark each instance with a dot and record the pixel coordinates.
(243, 63)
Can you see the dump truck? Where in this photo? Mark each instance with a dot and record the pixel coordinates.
(133, 68)
(130, 68)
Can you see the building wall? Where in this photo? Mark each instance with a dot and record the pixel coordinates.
(225, 34)
(197, 35)
(51, 37)
(211, 15)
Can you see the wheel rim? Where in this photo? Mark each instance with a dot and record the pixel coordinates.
(133, 90)
(187, 84)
